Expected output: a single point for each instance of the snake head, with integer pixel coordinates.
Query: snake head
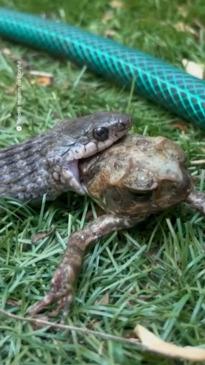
(78, 139)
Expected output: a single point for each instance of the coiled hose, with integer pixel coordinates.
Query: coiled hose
(159, 81)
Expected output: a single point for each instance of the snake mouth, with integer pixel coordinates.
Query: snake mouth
(71, 177)
(72, 172)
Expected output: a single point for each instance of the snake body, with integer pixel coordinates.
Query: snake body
(48, 164)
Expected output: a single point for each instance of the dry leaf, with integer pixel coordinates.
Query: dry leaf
(181, 126)
(6, 51)
(193, 68)
(107, 16)
(110, 33)
(42, 78)
(182, 27)
(154, 344)
(116, 4)
(43, 81)
(197, 162)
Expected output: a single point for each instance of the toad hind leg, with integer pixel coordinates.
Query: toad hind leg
(64, 279)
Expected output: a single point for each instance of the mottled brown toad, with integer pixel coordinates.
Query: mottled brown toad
(134, 178)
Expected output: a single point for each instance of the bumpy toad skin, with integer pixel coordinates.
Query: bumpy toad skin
(139, 174)
(134, 178)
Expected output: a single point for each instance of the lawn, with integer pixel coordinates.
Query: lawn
(153, 274)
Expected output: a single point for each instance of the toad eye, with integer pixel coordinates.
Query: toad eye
(101, 133)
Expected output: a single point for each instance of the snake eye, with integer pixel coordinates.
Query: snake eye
(101, 133)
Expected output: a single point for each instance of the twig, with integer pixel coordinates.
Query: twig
(74, 328)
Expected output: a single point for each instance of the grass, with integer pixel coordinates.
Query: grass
(154, 274)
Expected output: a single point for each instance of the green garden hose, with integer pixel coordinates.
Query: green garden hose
(157, 80)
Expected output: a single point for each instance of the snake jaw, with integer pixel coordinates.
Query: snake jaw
(70, 177)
